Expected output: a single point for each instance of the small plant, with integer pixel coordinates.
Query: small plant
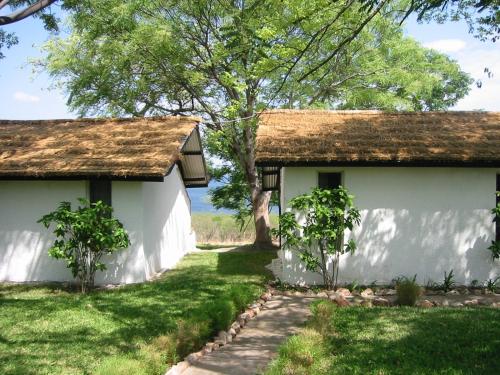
(474, 283)
(221, 312)
(493, 284)
(408, 291)
(353, 286)
(448, 281)
(84, 236)
(319, 239)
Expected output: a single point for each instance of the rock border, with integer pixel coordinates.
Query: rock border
(386, 297)
(224, 337)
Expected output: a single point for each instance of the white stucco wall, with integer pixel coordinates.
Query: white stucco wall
(168, 235)
(156, 216)
(24, 242)
(420, 221)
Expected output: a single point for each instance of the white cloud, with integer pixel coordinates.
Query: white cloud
(446, 45)
(23, 97)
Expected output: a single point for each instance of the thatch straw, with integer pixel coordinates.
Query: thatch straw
(115, 148)
(371, 137)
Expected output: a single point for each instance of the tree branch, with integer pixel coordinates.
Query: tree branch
(23, 13)
(344, 42)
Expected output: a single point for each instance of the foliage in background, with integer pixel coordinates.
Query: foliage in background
(144, 326)
(84, 236)
(229, 60)
(315, 228)
(221, 229)
(408, 291)
(396, 340)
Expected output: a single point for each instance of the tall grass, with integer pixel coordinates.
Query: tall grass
(223, 229)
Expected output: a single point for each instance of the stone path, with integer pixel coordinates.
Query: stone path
(254, 347)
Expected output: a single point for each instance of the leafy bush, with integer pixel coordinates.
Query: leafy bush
(407, 291)
(327, 214)
(221, 313)
(84, 236)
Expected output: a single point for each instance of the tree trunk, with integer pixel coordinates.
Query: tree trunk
(261, 219)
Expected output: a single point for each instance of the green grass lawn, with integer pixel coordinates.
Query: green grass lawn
(46, 330)
(397, 341)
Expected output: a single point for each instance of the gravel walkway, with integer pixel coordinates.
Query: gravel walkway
(254, 347)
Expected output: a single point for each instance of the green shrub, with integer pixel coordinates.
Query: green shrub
(84, 236)
(322, 317)
(167, 346)
(407, 291)
(221, 313)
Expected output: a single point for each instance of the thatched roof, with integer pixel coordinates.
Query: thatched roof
(135, 148)
(316, 137)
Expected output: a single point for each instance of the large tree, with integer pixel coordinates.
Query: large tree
(228, 60)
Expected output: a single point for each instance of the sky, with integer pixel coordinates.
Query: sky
(28, 95)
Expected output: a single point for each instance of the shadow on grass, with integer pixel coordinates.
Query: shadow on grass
(416, 341)
(48, 329)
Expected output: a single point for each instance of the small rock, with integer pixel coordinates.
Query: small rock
(298, 294)
(390, 292)
(495, 305)
(219, 343)
(457, 304)
(425, 304)
(367, 303)
(222, 336)
(367, 293)
(355, 293)
(288, 293)
(261, 302)
(486, 291)
(445, 303)
(485, 302)
(381, 302)
(344, 292)
(256, 310)
(453, 292)
(229, 337)
(436, 303)
(245, 316)
(232, 332)
(471, 302)
(430, 292)
(464, 292)
(277, 293)
(241, 322)
(236, 326)
(322, 295)
(193, 357)
(310, 293)
(342, 302)
(209, 347)
(477, 292)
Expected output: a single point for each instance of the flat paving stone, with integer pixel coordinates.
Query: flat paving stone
(257, 344)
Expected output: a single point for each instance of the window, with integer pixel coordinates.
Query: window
(497, 221)
(329, 180)
(100, 190)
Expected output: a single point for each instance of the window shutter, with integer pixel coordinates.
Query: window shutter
(329, 180)
(100, 190)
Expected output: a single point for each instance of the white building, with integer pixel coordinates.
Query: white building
(140, 166)
(424, 183)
